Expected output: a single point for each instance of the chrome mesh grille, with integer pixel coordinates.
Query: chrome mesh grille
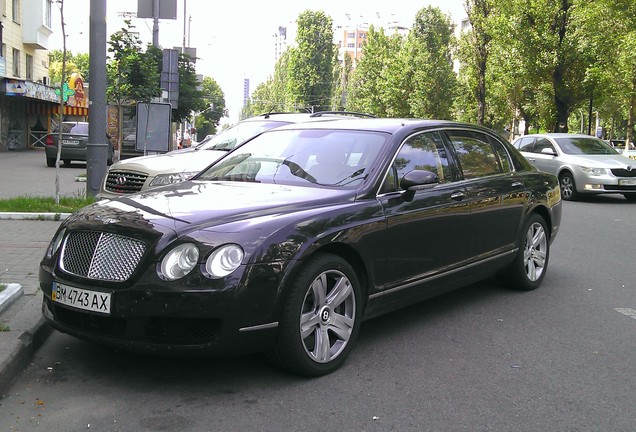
(124, 182)
(99, 255)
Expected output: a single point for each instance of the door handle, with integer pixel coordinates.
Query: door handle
(458, 196)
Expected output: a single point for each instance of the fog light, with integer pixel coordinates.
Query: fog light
(593, 187)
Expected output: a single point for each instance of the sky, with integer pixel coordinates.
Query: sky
(234, 40)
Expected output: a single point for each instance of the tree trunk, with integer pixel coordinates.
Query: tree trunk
(562, 109)
(630, 117)
(481, 90)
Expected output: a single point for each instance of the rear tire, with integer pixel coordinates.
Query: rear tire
(50, 162)
(568, 187)
(67, 162)
(529, 267)
(320, 319)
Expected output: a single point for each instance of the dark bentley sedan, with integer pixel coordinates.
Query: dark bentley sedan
(287, 243)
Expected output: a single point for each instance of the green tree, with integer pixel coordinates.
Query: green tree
(74, 63)
(375, 86)
(271, 95)
(208, 119)
(475, 51)
(614, 67)
(133, 75)
(428, 65)
(311, 62)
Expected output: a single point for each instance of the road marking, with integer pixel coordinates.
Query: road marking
(627, 311)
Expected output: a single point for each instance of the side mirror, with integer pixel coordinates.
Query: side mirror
(418, 178)
(548, 151)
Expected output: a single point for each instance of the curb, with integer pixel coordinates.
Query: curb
(34, 216)
(20, 356)
(9, 295)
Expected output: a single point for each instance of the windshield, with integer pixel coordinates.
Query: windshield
(338, 158)
(238, 134)
(583, 145)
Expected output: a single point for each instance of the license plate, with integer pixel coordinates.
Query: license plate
(70, 142)
(627, 182)
(79, 298)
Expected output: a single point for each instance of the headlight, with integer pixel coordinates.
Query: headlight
(224, 261)
(594, 171)
(55, 244)
(178, 262)
(172, 178)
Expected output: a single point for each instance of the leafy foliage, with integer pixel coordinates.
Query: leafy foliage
(74, 63)
(311, 63)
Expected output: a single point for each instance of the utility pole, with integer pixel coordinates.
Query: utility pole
(183, 47)
(97, 147)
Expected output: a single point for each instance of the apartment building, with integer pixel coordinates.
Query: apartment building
(26, 99)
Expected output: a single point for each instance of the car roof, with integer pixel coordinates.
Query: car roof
(303, 117)
(558, 135)
(388, 125)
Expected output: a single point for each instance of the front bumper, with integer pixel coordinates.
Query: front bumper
(229, 319)
(607, 184)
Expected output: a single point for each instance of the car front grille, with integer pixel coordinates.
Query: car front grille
(624, 173)
(99, 255)
(125, 182)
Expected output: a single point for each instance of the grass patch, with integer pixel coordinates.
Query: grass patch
(4, 328)
(44, 204)
(2, 287)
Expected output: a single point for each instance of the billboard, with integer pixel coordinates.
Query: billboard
(153, 127)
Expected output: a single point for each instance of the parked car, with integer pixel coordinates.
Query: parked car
(619, 146)
(584, 164)
(141, 173)
(289, 241)
(74, 141)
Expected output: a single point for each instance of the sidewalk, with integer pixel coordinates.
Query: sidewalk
(22, 246)
(23, 243)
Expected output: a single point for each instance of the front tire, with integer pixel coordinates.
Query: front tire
(320, 318)
(529, 267)
(568, 187)
(630, 197)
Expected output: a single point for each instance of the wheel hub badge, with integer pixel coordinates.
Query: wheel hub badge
(325, 315)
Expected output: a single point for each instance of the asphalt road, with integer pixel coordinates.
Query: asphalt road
(560, 358)
(24, 173)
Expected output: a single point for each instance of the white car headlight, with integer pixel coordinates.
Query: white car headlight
(178, 262)
(594, 171)
(172, 178)
(224, 261)
(55, 244)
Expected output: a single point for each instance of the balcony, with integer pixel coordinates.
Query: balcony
(36, 31)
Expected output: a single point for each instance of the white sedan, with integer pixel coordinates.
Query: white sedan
(584, 164)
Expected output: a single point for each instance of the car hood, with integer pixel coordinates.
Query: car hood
(173, 162)
(195, 204)
(601, 161)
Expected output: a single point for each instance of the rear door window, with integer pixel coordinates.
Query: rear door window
(476, 154)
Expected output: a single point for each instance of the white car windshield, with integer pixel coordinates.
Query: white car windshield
(338, 158)
(581, 145)
(238, 134)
